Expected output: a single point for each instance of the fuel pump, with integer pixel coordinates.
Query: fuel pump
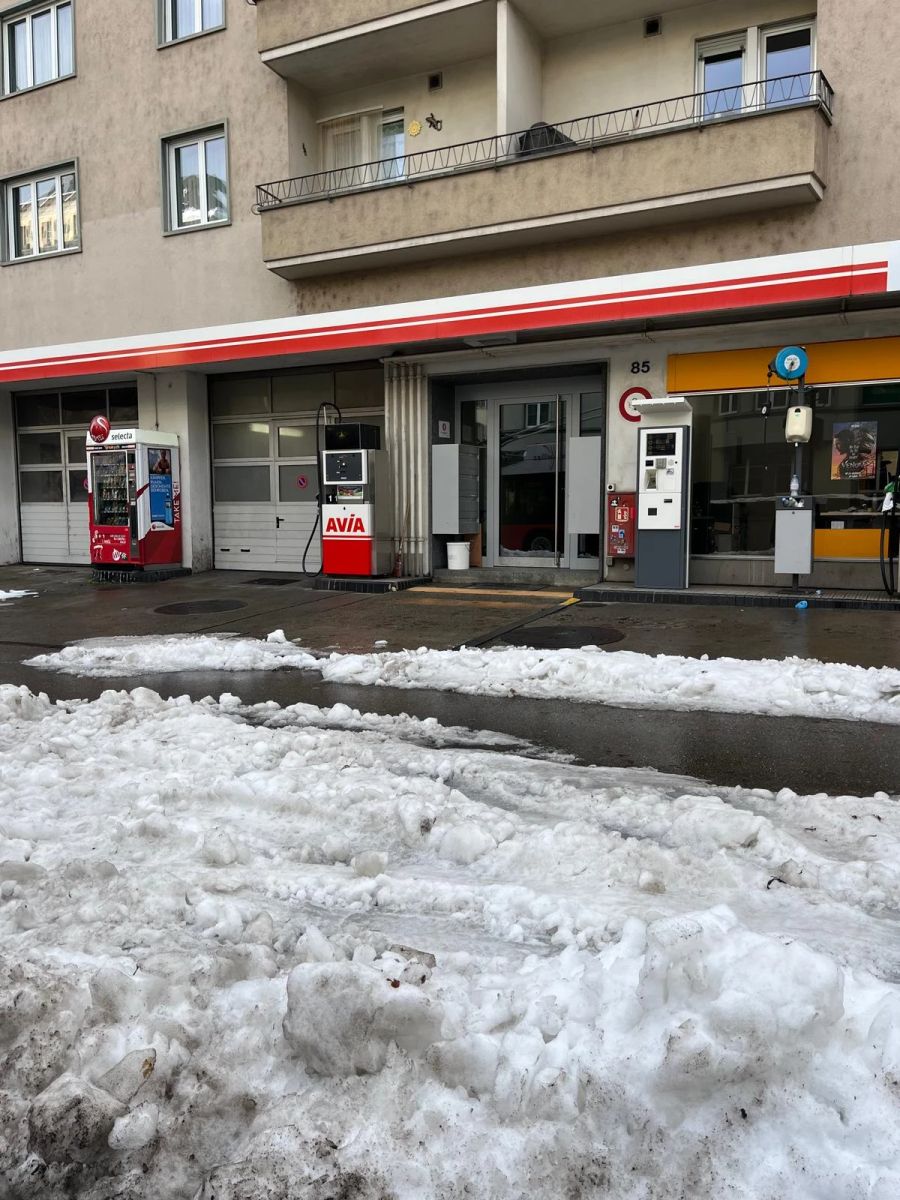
(889, 546)
(356, 502)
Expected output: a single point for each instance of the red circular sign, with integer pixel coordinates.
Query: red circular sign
(626, 396)
(302, 481)
(99, 429)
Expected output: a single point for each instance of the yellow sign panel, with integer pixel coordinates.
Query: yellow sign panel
(868, 360)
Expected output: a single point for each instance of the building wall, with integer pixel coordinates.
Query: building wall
(859, 207)
(126, 96)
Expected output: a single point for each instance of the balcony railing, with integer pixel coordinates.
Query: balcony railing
(698, 109)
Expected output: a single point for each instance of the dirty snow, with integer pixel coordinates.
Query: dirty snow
(260, 953)
(14, 595)
(770, 687)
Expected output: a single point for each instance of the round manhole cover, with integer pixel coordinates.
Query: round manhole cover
(564, 637)
(200, 606)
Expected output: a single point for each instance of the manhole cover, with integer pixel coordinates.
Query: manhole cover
(200, 606)
(564, 637)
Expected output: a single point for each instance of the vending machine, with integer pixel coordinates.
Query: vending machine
(134, 497)
(356, 507)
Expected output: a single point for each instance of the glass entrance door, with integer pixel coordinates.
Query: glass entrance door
(530, 510)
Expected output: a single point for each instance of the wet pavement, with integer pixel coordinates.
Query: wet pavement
(806, 755)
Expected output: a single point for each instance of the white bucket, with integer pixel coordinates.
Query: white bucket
(458, 556)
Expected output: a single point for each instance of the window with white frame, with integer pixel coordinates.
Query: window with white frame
(780, 58)
(41, 214)
(196, 169)
(186, 18)
(38, 46)
(374, 140)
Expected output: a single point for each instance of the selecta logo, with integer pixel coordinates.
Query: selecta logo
(345, 525)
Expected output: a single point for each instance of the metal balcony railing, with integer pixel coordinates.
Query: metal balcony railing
(699, 109)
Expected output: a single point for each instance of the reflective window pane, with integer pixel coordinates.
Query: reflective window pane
(364, 389)
(17, 55)
(237, 484)
(23, 219)
(245, 439)
(123, 406)
(78, 486)
(298, 485)
(79, 407)
(788, 67)
(64, 40)
(213, 13)
(301, 393)
(75, 449)
(722, 79)
(216, 180)
(42, 46)
(39, 448)
(238, 397)
(40, 487)
(593, 413)
(37, 408)
(296, 441)
(48, 216)
(187, 185)
(71, 235)
(184, 18)
(532, 482)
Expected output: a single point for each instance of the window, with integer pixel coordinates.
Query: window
(365, 147)
(722, 70)
(187, 18)
(38, 47)
(540, 413)
(729, 67)
(42, 214)
(787, 65)
(196, 168)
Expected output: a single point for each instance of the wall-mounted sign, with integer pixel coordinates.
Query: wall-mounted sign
(629, 394)
(443, 429)
(302, 482)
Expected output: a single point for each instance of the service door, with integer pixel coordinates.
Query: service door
(296, 489)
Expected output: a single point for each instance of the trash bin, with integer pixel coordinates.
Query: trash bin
(458, 556)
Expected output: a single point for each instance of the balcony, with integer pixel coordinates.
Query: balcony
(316, 43)
(707, 155)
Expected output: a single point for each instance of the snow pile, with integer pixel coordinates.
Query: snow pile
(254, 952)
(769, 687)
(14, 595)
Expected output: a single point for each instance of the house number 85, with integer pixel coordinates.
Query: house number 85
(640, 368)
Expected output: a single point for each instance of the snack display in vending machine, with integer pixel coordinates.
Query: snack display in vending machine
(134, 497)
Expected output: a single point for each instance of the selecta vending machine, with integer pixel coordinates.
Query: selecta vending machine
(134, 497)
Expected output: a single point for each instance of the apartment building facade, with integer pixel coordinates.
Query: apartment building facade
(484, 222)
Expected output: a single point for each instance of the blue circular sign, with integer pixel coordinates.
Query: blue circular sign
(791, 362)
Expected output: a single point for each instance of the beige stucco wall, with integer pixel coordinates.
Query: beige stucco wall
(127, 94)
(858, 47)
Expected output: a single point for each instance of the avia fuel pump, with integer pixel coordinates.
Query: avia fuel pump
(356, 505)
(134, 497)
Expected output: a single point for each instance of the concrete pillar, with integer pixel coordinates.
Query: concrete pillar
(520, 84)
(407, 437)
(177, 403)
(10, 544)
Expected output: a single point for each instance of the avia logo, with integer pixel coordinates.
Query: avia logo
(345, 525)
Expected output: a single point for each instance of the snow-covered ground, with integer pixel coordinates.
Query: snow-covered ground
(789, 687)
(14, 595)
(266, 954)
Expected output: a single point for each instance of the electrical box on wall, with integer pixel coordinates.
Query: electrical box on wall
(455, 489)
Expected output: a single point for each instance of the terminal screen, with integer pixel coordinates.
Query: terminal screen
(661, 444)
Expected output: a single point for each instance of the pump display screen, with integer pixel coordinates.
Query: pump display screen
(345, 467)
(661, 444)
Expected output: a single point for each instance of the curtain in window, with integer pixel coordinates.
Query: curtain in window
(348, 142)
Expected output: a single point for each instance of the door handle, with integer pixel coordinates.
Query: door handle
(278, 521)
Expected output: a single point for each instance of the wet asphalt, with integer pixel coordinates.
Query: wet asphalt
(808, 756)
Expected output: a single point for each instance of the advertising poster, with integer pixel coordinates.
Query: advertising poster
(161, 506)
(853, 446)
